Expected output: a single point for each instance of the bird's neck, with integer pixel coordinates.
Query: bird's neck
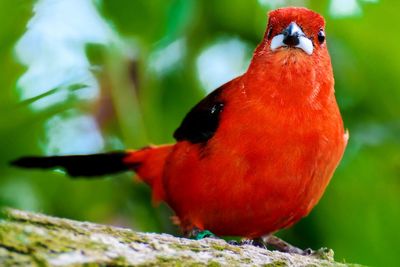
(291, 78)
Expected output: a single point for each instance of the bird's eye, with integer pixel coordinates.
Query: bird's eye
(269, 33)
(321, 36)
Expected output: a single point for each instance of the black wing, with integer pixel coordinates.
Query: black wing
(202, 121)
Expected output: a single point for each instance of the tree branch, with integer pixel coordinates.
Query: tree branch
(30, 239)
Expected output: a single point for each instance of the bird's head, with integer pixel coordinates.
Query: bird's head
(292, 60)
(295, 29)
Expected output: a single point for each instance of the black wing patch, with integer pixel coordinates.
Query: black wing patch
(202, 121)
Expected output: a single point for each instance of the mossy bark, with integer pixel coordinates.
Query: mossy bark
(30, 239)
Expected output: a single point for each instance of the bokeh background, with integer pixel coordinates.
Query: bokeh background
(83, 76)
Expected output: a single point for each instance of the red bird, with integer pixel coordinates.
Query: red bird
(255, 155)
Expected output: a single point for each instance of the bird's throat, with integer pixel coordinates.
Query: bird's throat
(290, 77)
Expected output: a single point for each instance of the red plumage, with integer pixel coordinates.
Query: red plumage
(279, 139)
(254, 156)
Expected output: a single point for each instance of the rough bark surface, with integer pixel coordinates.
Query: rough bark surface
(30, 239)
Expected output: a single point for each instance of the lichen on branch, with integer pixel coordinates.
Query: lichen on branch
(31, 239)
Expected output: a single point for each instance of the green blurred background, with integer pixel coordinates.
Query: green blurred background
(82, 76)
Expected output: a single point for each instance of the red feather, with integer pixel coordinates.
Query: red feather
(279, 139)
(256, 155)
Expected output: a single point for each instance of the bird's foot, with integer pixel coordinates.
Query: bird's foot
(283, 246)
(204, 234)
(257, 242)
(199, 234)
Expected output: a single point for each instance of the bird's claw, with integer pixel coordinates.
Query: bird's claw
(198, 234)
(254, 242)
(308, 252)
(204, 234)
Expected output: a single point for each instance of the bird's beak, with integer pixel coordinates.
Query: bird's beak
(292, 36)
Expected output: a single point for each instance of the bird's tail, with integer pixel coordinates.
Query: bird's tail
(147, 162)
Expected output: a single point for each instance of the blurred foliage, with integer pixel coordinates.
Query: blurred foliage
(148, 72)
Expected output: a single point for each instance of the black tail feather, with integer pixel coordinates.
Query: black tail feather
(78, 165)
